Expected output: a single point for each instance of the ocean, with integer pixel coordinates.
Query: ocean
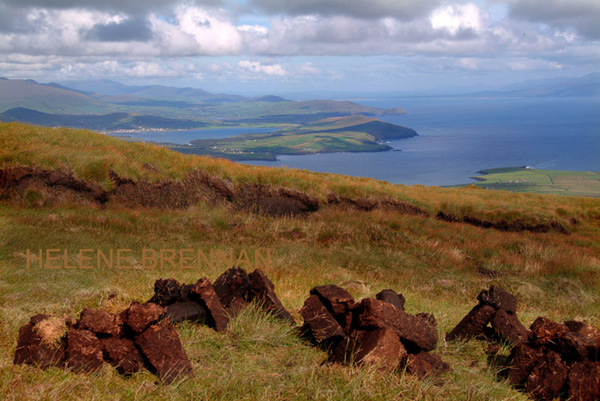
(458, 137)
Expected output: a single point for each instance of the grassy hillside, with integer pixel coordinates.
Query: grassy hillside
(439, 266)
(522, 179)
(103, 122)
(30, 94)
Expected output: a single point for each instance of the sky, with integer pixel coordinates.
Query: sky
(279, 46)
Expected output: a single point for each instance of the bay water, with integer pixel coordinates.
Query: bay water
(458, 137)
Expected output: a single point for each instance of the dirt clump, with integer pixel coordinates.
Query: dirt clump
(204, 293)
(371, 332)
(233, 289)
(84, 351)
(161, 346)
(498, 308)
(43, 347)
(122, 353)
(391, 297)
(138, 317)
(100, 322)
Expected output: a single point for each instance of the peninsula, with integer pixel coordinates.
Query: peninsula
(356, 133)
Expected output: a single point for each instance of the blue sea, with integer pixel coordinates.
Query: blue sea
(458, 137)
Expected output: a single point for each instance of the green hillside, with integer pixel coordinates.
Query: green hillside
(338, 134)
(71, 190)
(45, 98)
(523, 179)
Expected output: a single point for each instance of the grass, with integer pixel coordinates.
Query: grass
(521, 179)
(438, 266)
(301, 144)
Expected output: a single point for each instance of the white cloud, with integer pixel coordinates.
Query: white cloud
(257, 67)
(308, 69)
(457, 17)
(187, 38)
(213, 30)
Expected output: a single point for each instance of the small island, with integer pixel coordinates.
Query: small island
(355, 133)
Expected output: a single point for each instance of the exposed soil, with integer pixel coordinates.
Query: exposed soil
(368, 204)
(34, 186)
(502, 225)
(196, 187)
(42, 187)
(39, 187)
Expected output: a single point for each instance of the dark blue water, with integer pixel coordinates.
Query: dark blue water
(459, 137)
(184, 137)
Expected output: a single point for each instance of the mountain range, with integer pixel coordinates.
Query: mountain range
(585, 86)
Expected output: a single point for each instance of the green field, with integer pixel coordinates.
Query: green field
(524, 179)
(339, 134)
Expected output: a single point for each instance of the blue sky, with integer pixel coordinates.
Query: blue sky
(279, 46)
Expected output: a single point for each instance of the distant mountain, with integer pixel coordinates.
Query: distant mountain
(157, 106)
(100, 86)
(268, 98)
(47, 98)
(109, 88)
(588, 85)
(101, 122)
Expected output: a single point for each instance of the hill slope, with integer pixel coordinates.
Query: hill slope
(364, 235)
(169, 102)
(46, 98)
(102, 122)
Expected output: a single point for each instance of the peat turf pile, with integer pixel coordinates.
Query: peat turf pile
(131, 340)
(143, 336)
(214, 304)
(557, 360)
(497, 308)
(376, 331)
(547, 361)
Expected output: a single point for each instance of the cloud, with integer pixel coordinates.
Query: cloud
(257, 67)
(135, 29)
(526, 64)
(79, 32)
(581, 15)
(137, 7)
(215, 41)
(374, 9)
(458, 17)
(196, 31)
